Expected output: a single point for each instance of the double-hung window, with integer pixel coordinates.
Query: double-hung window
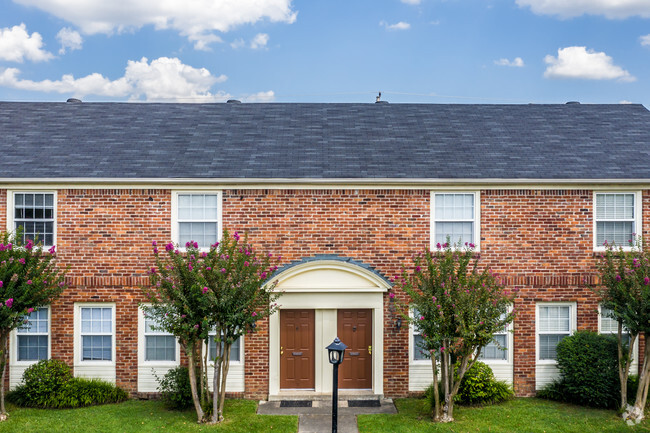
(235, 349)
(159, 345)
(554, 323)
(455, 216)
(609, 325)
(419, 354)
(616, 218)
(33, 336)
(33, 213)
(197, 218)
(497, 349)
(96, 333)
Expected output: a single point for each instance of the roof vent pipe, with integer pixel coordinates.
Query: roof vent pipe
(73, 101)
(573, 103)
(378, 99)
(233, 101)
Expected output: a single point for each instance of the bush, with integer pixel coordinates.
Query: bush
(588, 364)
(41, 382)
(478, 387)
(175, 389)
(49, 384)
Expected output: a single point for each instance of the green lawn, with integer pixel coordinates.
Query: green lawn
(524, 415)
(142, 416)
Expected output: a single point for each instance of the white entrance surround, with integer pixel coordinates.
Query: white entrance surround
(325, 285)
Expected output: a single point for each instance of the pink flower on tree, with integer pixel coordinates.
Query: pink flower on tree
(254, 314)
(154, 243)
(29, 310)
(205, 290)
(22, 261)
(169, 247)
(29, 282)
(236, 236)
(52, 249)
(9, 302)
(392, 295)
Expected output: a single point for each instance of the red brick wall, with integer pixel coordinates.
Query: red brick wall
(105, 237)
(538, 240)
(379, 227)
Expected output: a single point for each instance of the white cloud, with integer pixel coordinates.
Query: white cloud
(202, 42)
(16, 45)
(517, 62)
(397, 26)
(613, 9)
(237, 44)
(163, 79)
(195, 19)
(69, 39)
(259, 41)
(645, 40)
(411, 2)
(260, 97)
(580, 63)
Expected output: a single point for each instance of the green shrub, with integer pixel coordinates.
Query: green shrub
(479, 386)
(588, 364)
(41, 382)
(588, 372)
(49, 384)
(175, 389)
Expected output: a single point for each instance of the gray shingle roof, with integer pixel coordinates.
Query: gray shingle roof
(324, 141)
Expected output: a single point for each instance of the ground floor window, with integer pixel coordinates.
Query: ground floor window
(554, 322)
(33, 336)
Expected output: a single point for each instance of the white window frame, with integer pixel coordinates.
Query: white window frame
(11, 210)
(14, 352)
(142, 345)
(509, 349)
(476, 220)
(78, 340)
(175, 233)
(572, 326)
(635, 352)
(206, 347)
(638, 217)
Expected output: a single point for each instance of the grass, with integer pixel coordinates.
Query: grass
(142, 417)
(524, 415)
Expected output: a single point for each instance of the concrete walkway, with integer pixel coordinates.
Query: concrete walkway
(318, 418)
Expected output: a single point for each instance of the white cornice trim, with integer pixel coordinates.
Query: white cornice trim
(307, 183)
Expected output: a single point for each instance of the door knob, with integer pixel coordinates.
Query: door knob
(369, 350)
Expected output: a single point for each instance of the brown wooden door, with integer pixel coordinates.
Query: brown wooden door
(355, 330)
(297, 349)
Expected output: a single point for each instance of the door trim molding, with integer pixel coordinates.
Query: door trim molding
(326, 286)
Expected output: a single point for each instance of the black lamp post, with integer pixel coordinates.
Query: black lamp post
(336, 350)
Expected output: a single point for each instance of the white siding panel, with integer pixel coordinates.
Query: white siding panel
(502, 371)
(420, 376)
(16, 374)
(545, 374)
(147, 377)
(235, 379)
(89, 371)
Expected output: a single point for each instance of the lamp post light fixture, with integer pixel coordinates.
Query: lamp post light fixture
(336, 351)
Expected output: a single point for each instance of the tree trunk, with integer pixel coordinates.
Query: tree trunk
(216, 382)
(225, 366)
(624, 364)
(448, 373)
(436, 394)
(191, 353)
(4, 351)
(635, 414)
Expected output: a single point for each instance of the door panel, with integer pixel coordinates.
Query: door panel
(297, 349)
(355, 330)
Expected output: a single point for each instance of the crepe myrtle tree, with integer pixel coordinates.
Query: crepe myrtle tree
(29, 279)
(224, 291)
(458, 307)
(625, 292)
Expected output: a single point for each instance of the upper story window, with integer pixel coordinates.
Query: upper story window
(554, 323)
(33, 337)
(158, 345)
(617, 218)
(34, 213)
(197, 218)
(454, 215)
(97, 333)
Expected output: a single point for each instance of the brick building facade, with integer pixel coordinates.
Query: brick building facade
(343, 228)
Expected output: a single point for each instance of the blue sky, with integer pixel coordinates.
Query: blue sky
(432, 51)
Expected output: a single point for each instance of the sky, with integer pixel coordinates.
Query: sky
(422, 51)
